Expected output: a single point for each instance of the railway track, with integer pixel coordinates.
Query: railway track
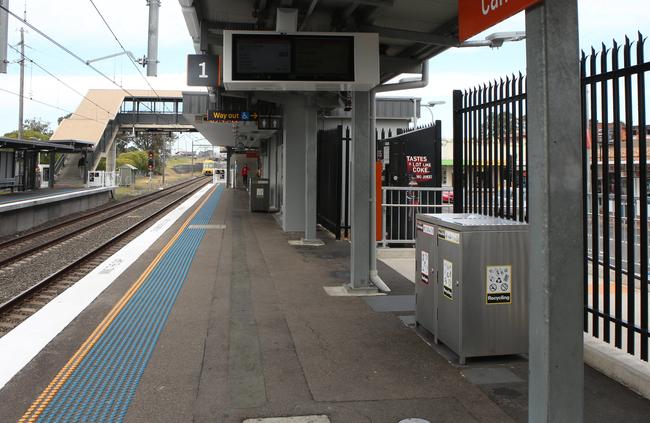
(14, 249)
(39, 290)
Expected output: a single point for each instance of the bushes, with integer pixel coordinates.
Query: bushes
(138, 159)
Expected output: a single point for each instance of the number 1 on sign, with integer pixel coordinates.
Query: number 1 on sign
(202, 74)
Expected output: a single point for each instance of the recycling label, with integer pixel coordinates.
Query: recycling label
(449, 235)
(498, 285)
(424, 267)
(448, 279)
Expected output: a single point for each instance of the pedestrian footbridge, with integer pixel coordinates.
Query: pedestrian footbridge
(104, 114)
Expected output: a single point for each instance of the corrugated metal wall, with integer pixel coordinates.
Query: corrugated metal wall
(389, 108)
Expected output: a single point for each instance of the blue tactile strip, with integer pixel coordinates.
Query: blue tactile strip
(103, 385)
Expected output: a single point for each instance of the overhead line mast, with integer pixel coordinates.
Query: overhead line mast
(152, 50)
(4, 36)
(21, 98)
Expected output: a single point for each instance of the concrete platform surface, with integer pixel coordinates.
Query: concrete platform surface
(20, 200)
(26, 210)
(9, 197)
(254, 336)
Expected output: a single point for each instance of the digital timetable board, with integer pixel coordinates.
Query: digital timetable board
(300, 61)
(292, 58)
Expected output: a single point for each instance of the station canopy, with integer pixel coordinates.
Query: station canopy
(410, 31)
(67, 146)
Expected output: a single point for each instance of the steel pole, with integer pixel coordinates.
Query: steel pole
(556, 364)
(361, 192)
(311, 175)
(164, 161)
(152, 50)
(4, 35)
(430, 111)
(21, 93)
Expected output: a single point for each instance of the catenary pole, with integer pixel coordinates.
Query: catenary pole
(21, 97)
(152, 50)
(4, 36)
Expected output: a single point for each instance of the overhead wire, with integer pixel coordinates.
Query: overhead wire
(62, 47)
(51, 105)
(135, 65)
(60, 81)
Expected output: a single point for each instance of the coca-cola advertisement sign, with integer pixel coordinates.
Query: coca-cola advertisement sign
(419, 168)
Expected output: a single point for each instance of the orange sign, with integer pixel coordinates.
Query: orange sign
(476, 16)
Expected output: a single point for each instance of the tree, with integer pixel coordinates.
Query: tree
(138, 159)
(160, 144)
(155, 142)
(33, 129)
(38, 125)
(492, 125)
(61, 118)
(124, 145)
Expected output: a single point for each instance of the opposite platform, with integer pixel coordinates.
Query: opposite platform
(24, 210)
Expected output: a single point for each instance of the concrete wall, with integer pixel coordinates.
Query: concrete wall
(22, 219)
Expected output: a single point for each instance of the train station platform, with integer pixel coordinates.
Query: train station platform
(21, 211)
(221, 320)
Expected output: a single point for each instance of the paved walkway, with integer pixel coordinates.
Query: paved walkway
(8, 197)
(253, 334)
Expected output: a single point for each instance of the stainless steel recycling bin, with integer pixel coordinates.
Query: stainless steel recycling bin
(475, 301)
(425, 275)
(259, 195)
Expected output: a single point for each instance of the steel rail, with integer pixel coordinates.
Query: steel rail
(71, 221)
(95, 251)
(134, 204)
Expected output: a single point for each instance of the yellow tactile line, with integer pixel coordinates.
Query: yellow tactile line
(37, 407)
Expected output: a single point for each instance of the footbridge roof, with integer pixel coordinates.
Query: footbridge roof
(101, 106)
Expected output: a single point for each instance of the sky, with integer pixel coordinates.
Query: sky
(77, 25)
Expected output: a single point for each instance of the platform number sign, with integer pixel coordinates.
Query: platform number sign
(202, 74)
(498, 285)
(203, 70)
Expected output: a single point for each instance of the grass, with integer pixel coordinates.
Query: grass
(143, 185)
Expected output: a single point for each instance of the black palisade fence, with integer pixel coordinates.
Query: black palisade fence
(490, 142)
(615, 182)
(490, 153)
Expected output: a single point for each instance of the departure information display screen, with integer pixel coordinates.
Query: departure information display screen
(257, 56)
(292, 57)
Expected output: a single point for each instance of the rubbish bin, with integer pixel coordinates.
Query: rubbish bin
(259, 195)
(425, 275)
(480, 265)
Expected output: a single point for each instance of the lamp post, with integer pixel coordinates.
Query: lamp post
(496, 39)
(430, 105)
